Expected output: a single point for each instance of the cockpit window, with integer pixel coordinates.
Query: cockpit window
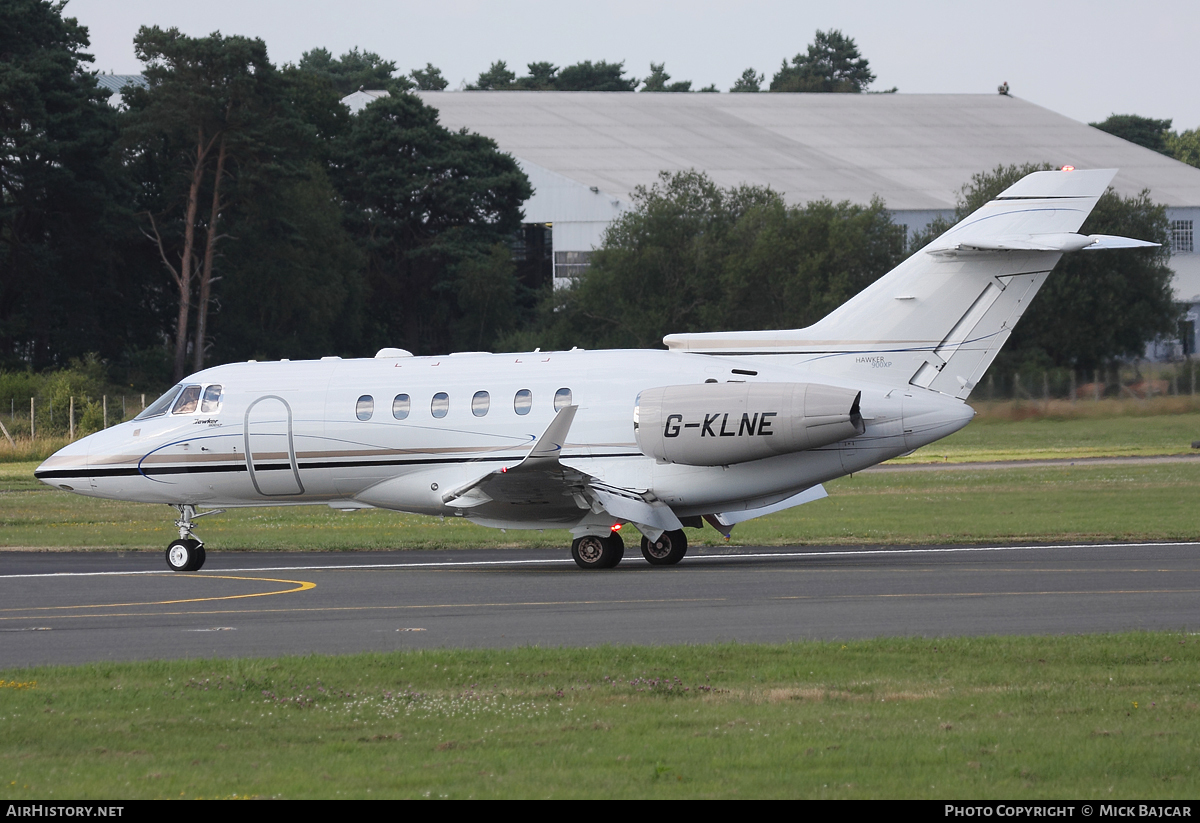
(211, 401)
(160, 405)
(189, 398)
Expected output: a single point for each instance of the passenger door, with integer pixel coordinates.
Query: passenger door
(270, 448)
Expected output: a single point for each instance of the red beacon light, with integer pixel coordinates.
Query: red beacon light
(1068, 168)
(616, 527)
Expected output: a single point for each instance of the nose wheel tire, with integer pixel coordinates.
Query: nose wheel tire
(185, 556)
(667, 550)
(595, 552)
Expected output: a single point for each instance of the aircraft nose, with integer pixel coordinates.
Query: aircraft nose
(67, 468)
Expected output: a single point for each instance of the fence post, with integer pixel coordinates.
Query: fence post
(1046, 388)
(32, 435)
(1072, 386)
(143, 402)
(71, 424)
(104, 400)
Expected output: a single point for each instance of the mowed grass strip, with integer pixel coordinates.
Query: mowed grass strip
(1088, 502)
(1107, 717)
(994, 435)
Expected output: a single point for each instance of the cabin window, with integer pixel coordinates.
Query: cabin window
(212, 399)
(523, 402)
(160, 406)
(562, 397)
(401, 406)
(189, 398)
(440, 405)
(365, 407)
(480, 403)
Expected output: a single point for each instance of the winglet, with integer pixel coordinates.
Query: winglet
(544, 454)
(549, 446)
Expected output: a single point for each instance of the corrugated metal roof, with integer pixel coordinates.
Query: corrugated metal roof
(913, 150)
(116, 82)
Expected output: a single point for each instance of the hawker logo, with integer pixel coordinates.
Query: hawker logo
(756, 425)
(875, 362)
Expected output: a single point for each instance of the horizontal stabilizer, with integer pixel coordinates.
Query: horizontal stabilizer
(1061, 242)
(1110, 241)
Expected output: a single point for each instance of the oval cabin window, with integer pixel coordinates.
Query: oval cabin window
(440, 405)
(401, 406)
(365, 407)
(480, 403)
(562, 397)
(523, 402)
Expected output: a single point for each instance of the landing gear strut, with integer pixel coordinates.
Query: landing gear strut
(187, 553)
(594, 552)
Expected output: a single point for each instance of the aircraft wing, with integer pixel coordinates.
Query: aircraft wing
(546, 486)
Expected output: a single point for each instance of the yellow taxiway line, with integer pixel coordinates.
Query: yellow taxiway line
(301, 586)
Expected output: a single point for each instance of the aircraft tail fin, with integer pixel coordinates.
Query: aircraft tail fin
(938, 319)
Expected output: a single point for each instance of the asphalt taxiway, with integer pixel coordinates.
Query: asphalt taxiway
(66, 607)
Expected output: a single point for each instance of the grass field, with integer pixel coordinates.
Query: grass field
(1064, 717)
(1110, 502)
(994, 435)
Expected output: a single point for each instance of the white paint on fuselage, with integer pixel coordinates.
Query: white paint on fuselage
(340, 456)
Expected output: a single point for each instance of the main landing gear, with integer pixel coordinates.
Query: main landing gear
(595, 552)
(667, 550)
(187, 553)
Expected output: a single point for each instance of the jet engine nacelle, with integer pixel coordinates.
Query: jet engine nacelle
(717, 424)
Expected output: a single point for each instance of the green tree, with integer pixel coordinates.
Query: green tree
(691, 256)
(498, 77)
(429, 78)
(212, 113)
(293, 282)
(600, 76)
(423, 202)
(71, 279)
(542, 77)
(658, 80)
(1185, 146)
(354, 70)
(1144, 131)
(749, 81)
(831, 64)
(1096, 306)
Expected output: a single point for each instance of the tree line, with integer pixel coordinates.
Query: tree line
(1156, 135)
(831, 63)
(233, 209)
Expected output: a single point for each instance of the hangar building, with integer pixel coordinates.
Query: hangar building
(585, 153)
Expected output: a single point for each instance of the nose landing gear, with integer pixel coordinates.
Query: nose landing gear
(187, 553)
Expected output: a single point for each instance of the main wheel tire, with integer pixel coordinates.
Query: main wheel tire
(201, 556)
(618, 549)
(183, 554)
(594, 552)
(667, 550)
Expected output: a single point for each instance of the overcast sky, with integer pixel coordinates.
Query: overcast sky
(1082, 59)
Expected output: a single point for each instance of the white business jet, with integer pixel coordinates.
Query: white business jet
(721, 427)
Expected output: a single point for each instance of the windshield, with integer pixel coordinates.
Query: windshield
(160, 405)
